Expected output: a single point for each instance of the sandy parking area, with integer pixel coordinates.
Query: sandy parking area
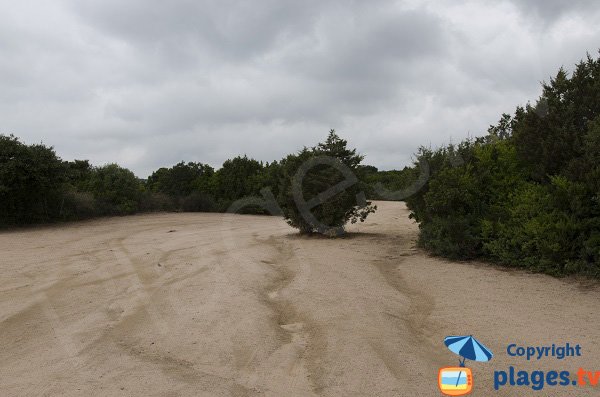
(228, 305)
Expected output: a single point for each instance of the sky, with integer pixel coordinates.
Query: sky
(147, 84)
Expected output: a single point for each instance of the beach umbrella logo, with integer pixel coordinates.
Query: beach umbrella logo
(458, 381)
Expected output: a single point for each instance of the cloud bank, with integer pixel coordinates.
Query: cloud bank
(150, 83)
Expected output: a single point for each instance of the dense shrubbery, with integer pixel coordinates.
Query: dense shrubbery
(528, 194)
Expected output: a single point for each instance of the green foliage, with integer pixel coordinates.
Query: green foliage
(78, 173)
(327, 215)
(452, 210)
(116, 189)
(527, 194)
(31, 181)
(542, 240)
(242, 178)
(36, 186)
(434, 161)
(237, 178)
(181, 180)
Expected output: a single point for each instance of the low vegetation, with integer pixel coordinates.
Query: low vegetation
(36, 186)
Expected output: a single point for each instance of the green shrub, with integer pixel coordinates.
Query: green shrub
(308, 175)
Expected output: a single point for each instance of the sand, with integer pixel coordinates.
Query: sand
(238, 305)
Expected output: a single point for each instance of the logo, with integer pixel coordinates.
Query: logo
(455, 381)
(536, 380)
(458, 381)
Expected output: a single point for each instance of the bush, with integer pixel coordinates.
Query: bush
(323, 167)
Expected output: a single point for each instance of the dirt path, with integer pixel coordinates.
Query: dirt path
(224, 305)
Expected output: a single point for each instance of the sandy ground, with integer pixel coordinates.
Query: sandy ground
(228, 305)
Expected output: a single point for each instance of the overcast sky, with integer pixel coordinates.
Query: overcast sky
(150, 83)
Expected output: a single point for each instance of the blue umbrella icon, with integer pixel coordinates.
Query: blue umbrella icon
(468, 348)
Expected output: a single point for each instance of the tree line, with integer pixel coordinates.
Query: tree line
(37, 186)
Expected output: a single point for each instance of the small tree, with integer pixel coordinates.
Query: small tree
(320, 191)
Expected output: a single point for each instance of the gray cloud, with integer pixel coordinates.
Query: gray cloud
(150, 83)
(551, 10)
